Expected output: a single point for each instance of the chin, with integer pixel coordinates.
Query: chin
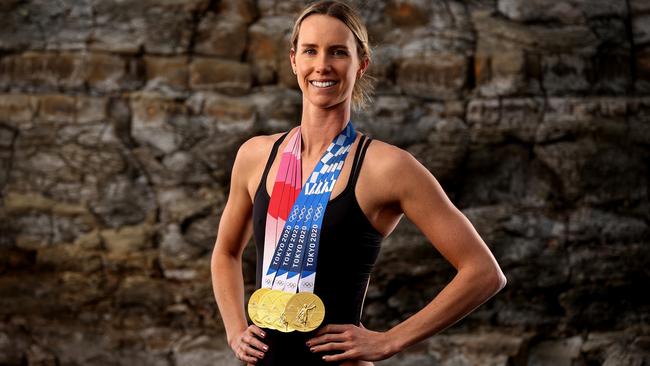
(325, 103)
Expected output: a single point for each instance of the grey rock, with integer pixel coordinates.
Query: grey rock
(200, 350)
(275, 7)
(36, 71)
(566, 74)
(598, 226)
(623, 181)
(180, 204)
(570, 12)
(182, 167)
(390, 114)
(173, 244)
(16, 31)
(223, 114)
(638, 113)
(566, 118)
(18, 109)
(220, 75)
(143, 291)
(12, 347)
(640, 27)
(44, 24)
(168, 75)
(154, 119)
(157, 27)
(51, 71)
(445, 149)
(36, 355)
(268, 49)
(441, 76)
(518, 179)
(278, 109)
(560, 352)
(501, 34)
(492, 121)
(507, 72)
(619, 264)
(221, 36)
(385, 59)
(123, 201)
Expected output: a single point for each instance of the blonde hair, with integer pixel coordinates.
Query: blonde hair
(363, 87)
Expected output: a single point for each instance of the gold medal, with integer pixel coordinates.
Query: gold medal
(254, 305)
(279, 307)
(305, 311)
(265, 308)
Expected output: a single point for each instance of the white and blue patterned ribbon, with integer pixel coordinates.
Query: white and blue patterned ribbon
(294, 262)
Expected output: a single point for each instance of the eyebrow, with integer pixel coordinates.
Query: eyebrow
(313, 45)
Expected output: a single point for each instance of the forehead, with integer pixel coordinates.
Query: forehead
(324, 29)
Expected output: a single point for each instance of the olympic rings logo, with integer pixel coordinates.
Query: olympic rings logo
(319, 210)
(294, 214)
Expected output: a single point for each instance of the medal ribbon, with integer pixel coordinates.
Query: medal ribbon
(285, 190)
(293, 263)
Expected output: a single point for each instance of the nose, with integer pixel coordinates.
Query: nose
(323, 64)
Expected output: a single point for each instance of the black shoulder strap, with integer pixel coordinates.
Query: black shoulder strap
(274, 151)
(356, 168)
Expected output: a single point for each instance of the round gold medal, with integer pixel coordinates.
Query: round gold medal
(305, 311)
(254, 304)
(265, 309)
(279, 307)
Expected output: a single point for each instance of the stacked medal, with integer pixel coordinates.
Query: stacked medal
(286, 301)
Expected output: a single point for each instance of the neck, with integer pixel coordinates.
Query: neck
(320, 126)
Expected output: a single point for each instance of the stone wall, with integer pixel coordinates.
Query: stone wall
(119, 122)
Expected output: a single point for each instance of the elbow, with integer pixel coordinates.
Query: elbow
(492, 279)
(502, 281)
(498, 280)
(222, 256)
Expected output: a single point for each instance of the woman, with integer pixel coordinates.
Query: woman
(378, 183)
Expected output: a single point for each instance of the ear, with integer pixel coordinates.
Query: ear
(292, 57)
(363, 66)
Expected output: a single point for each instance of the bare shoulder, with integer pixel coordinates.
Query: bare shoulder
(254, 146)
(389, 160)
(255, 149)
(251, 158)
(401, 175)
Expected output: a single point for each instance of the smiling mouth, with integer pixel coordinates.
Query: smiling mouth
(323, 84)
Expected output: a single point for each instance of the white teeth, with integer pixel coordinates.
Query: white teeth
(323, 84)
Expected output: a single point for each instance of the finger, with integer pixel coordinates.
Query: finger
(252, 352)
(252, 341)
(349, 354)
(257, 330)
(326, 338)
(246, 358)
(332, 346)
(333, 328)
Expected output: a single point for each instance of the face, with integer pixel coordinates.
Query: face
(325, 61)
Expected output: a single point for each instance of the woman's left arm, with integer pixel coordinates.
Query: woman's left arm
(478, 276)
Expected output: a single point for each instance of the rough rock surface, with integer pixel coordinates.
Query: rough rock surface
(119, 123)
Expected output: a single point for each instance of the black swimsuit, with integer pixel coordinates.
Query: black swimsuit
(349, 246)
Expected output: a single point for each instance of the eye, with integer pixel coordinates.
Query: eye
(340, 53)
(309, 51)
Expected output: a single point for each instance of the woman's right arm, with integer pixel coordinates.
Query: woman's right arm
(235, 229)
